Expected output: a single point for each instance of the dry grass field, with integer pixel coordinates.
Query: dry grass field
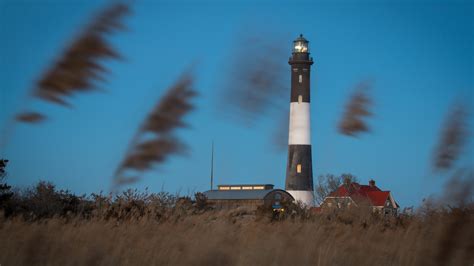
(46, 227)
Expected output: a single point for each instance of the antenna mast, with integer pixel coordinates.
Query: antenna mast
(212, 165)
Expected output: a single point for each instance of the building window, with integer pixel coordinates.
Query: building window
(300, 98)
(258, 187)
(235, 188)
(247, 188)
(295, 69)
(300, 78)
(298, 168)
(224, 188)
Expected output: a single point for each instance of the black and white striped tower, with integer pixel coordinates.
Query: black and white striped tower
(299, 172)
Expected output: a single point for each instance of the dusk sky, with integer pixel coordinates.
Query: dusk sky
(419, 54)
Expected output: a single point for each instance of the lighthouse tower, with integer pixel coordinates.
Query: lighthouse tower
(299, 172)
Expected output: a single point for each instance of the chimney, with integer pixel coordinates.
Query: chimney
(347, 182)
(371, 183)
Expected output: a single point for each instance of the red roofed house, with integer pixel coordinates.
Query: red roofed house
(353, 194)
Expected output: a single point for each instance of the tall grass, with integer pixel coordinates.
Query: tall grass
(50, 227)
(237, 238)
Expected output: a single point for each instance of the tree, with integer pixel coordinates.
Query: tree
(329, 183)
(5, 193)
(3, 164)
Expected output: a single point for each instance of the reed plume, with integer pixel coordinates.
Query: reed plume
(356, 110)
(155, 140)
(453, 137)
(79, 68)
(280, 133)
(255, 83)
(30, 117)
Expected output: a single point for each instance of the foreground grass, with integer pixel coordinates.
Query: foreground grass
(239, 237)
(44, 226)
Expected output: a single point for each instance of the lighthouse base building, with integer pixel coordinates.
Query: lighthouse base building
(251, 196)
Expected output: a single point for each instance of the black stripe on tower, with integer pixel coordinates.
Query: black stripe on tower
(299, 171)
(300, 72)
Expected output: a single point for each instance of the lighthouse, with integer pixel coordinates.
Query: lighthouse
(299, 172)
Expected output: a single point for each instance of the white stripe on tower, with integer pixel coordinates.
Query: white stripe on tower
(300, 126)
(304, 196)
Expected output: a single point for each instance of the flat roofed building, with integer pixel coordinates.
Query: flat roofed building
(253, 198)
(245, 187)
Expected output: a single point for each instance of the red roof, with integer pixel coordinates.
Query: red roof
(359, 193)
(378, 198)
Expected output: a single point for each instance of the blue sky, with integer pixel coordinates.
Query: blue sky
(419, 53)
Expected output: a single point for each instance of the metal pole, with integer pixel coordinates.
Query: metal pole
(212, 165)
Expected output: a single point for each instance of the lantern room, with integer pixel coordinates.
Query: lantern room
(300, 45)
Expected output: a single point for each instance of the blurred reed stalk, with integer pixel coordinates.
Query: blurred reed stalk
(280, 135)
(356, 111)
(155, 140)
(453, 137)
(255, 83)
(79, 67)
(256, 88)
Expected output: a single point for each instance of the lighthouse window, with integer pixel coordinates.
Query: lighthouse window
(300, 78)
(300, 98)
(298, 168)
